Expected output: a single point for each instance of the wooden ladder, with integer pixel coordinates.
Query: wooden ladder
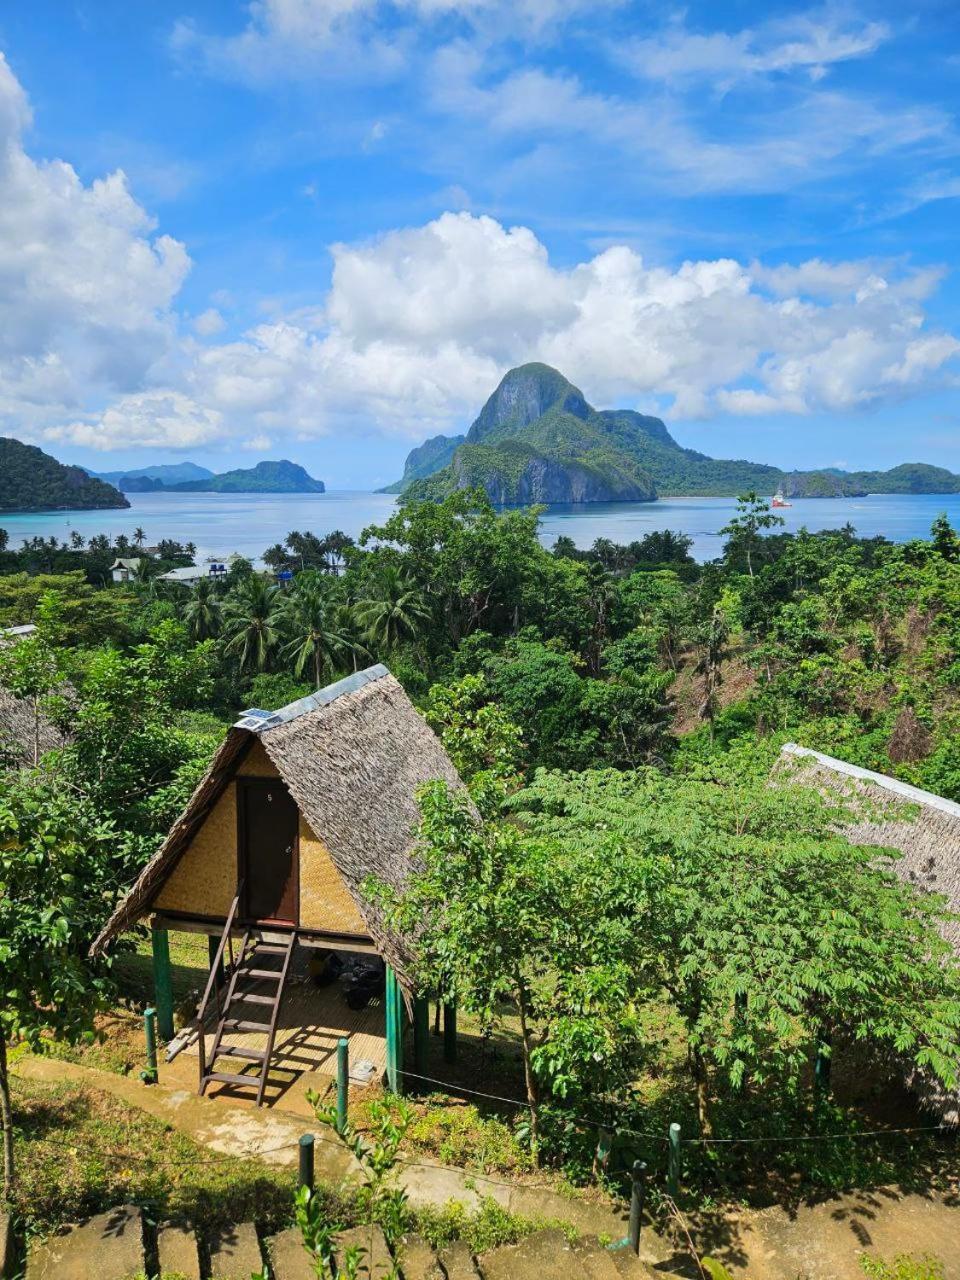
(250, 969)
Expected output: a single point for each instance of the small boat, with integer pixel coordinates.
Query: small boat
(779, 500)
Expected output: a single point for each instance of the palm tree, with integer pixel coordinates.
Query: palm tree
(251, 617)
(203, 612)
(139, 536)
(395, 609)
(310, 620)
(76, 540)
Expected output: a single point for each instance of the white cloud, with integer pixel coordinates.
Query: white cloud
(805, 42)
(420, 324)
(87, 286)
(209, 323)
(150, 420)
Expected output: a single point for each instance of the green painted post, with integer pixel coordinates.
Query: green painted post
(343, 1081)
(162, 983)
(421, 1036)
(394, 1016)
(151, 1075)
(306, 1161)
(449, 1033)
(673, 1163)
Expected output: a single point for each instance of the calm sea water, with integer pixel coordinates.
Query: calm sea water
(220, 523)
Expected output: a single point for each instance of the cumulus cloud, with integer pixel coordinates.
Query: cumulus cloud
(87, 285)
(420, 324)
(151, 420)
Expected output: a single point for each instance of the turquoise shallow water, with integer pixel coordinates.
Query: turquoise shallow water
(249, 523)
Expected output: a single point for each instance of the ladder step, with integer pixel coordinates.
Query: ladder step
(270, 949)
(252, 998)
(240, 1024)
(229, 1077)
(241, 1051)
(275, 974)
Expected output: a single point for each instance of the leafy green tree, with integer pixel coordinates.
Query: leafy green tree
(713, 651)
(309, 620)
(476, 733)
(508, 921)
(743, 533)
(251, 617)
(769, 932)
(202, 611)
(395, 610)
(56, 886)
(944, 538)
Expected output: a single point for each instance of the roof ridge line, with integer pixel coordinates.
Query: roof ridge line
(904, 789)
(260, 723)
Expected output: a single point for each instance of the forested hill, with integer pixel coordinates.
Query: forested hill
(537, 439)
(30, 480)
(265, 477)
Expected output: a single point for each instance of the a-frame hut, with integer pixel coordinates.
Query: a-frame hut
(297, 809)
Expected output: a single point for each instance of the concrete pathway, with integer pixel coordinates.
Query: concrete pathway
(821, 1241)
(273, 1136)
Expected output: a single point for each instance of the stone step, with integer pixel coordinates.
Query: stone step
(418, 1260)
(597, 1261)
(289, 1260)
(234, 1253)
(376, 1252)
(108, 1247)
(457, 1262)
(546, 1255)
(177, 1253)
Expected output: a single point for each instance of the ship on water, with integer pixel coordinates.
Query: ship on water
(779, 499)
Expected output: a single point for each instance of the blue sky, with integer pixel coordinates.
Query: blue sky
(323, 229)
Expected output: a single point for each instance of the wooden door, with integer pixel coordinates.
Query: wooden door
(269, 850)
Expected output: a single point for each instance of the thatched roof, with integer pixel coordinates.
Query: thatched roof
(17, 715)
(925, 829)
(353, 756)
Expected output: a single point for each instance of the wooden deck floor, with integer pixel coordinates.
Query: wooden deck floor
(312, 1020)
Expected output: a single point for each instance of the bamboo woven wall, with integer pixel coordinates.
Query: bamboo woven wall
(325, 901)
(204, 881)
(257, 764)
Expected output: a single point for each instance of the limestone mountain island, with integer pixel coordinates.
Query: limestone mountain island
(538, 440)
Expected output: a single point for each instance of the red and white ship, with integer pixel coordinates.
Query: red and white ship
(779, 500)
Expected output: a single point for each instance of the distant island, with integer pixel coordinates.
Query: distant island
(30, 480)
(187, 477)
(538, 440)
(149, 479)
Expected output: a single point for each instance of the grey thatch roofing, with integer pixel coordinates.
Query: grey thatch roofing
(17, 730)
(353, 756)
(925, 829)
(17, 727)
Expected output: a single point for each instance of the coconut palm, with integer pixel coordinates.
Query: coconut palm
(139, 536)
(203, 611)
(393, 610)
(251, 621)
(310, 621)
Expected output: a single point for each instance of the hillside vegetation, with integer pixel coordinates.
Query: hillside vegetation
(30, 480)
(538, 440)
